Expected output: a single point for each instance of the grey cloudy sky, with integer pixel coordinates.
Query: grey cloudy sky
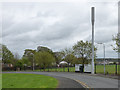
(58, 25)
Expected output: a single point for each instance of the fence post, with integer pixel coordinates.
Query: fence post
(116, 69)
(95, 68)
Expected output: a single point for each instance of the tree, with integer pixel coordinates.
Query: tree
(18, 64)
(44, 59)
(83, 50)
(29, 52)
(58, 57)
(70, 59)
(16, 56)
(29, 55)
(66, 52)
(26, 61)
(0, 53)
(117, 43)
(42, 49)
(15, 60)
(68, 56)
(7, 55)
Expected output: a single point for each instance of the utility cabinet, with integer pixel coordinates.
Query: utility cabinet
(79, 68)
(87, 68)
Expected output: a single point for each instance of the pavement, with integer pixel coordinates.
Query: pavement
(108, 76)
(67, 83)
(84, 80)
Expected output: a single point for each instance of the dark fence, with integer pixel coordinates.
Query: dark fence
(16, 68)
(99, 69)
(109, 69)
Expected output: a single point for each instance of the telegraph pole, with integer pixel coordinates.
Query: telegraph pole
(104, 57)
(93, 20)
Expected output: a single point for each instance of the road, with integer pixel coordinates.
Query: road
(86, 80)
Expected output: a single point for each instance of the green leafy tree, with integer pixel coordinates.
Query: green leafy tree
(29, 56)
(44, 59)
(70, 59)
(15, 60)
(18, 64)
(0, 53)
(83, 50)
(42, 49)
(80, 61)
(26, 61)
(45, 49)
(68, 56)
(58, 57)
(7, 55)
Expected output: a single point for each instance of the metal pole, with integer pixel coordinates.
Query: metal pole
(33, 62)
(116, 69)
(104, 57)
(92, 39)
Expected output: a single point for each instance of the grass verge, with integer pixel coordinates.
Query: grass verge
(13, 80)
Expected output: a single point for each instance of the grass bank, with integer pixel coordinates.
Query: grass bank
(13, 80)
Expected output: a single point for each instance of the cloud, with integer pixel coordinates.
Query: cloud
(56, 25)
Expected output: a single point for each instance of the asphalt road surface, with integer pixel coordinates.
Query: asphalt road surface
(86, 80)
(67, 83)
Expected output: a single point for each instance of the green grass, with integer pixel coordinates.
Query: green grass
(13, 80)
(0, 81)
(110, 69)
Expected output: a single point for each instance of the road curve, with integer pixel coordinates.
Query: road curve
(87, 80)
(63, 82)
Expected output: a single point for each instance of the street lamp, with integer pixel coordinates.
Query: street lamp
(104, 54)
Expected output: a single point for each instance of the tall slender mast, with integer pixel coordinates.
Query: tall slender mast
(93, 20)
